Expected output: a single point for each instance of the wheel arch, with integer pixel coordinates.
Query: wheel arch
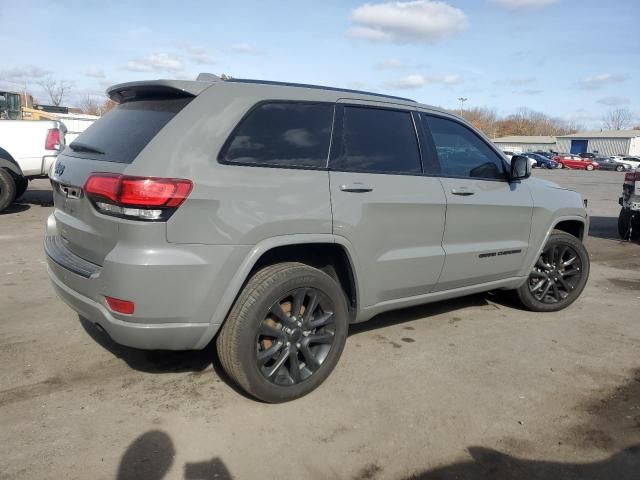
(327, 252)
(8, 162)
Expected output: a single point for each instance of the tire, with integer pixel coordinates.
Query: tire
(252, 330)
(589, 167)
(619, 168)
(21, 186)
(624, 224)
(560, 165)
(7, 189)
(552, 289)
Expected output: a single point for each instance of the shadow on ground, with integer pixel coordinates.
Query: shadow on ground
(150, 457)
(490, 464)
(43, 198)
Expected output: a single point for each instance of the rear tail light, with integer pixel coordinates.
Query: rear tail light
(53, 139)
(631, 177)
(139, 198)
(120, 306)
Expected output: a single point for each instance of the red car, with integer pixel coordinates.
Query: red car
(568, 160)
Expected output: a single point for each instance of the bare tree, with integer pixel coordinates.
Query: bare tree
(56, 90)
(617, 119)
(90, 106)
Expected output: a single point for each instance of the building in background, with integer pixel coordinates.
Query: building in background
(526, 143)
(607, 142)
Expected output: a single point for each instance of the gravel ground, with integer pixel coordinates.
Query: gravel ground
(471, 388)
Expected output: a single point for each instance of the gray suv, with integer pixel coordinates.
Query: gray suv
(270, 216)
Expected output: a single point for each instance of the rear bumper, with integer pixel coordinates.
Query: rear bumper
(147, 336)
(176, 288)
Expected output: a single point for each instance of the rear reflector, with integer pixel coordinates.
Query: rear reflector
(120, 306)
(53, 139)
(142, 198)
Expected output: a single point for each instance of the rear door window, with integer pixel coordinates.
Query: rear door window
(282, 134)
(120, 135)
(378, 140)
(462, 153)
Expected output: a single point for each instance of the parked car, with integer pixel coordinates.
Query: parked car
(607, 163)
(510, 154)
(549, 155)
(27, 151)
(304, 210)
(633, 161)
(541, 160)
(629, 217)
(575, 162)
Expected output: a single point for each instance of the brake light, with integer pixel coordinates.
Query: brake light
(120, 306)
(52, 141)
(142, 198)
(631, 177)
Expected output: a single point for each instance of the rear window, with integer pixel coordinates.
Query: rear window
(121, 134)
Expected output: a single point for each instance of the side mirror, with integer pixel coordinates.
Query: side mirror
(520, 167)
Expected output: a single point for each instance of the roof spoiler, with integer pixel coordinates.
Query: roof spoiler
(149, 89)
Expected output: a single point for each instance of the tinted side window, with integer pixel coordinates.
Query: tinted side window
(377, 140)
(283, 134)
(461, 152)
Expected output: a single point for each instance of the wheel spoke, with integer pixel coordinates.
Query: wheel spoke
(276, 367)
(321, 320)
(310, 360)
(537, 274)
(265, 355)
(570, 261)
(539, 285)
(325, 337)
(564, 284)
(556, 292)
(269, 331)
(570, 273)
(298, 300)
(294, 366)
(282, 317)
(311, 306)
(562, 254)
(545, 291)
(540, 263)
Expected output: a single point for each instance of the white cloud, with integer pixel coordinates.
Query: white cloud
(419, 81)
(523, 4)
(94, 72)
(409, 21)
(199, 55)
(244, 48)
(390, 63)
(613, 101)
(158, 62)
(23, 73)
(598, 81)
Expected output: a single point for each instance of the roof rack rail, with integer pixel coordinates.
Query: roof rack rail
(319, 87)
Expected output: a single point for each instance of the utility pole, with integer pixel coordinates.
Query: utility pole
(462, 100)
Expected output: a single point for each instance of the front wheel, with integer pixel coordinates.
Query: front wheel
(558, 276)
(285, 332)
(619, 168)
(589, 167)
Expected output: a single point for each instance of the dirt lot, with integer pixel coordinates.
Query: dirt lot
(473, 388)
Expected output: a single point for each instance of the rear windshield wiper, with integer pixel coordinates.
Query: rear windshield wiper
(81, 147)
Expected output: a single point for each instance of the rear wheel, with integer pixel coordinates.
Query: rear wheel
(619, 168)
(285, 332)
(559, 275)
(7, 189)
(628, 225)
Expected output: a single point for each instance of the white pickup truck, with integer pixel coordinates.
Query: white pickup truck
(27, 150)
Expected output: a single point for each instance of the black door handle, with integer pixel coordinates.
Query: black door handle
(356, 187)
(463, 191)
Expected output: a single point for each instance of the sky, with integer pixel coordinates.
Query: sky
(571, 59)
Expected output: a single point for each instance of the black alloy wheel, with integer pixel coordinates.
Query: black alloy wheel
(556, 274)
(295, 336)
